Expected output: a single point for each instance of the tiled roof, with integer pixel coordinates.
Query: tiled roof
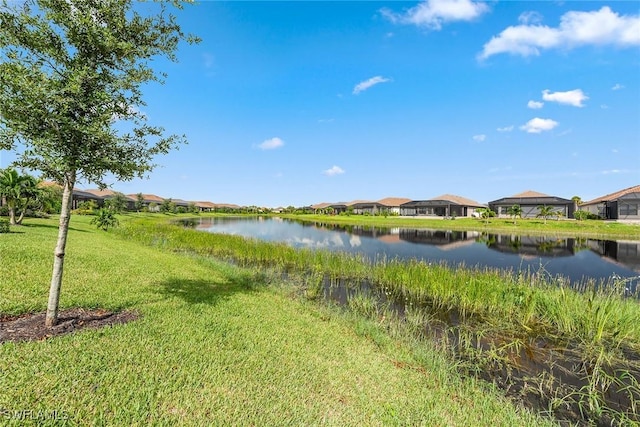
(100, 193)
(205, 205)
(393, 201)
(458, 200)
(107, 193)
(320, 205)
(614, 196)
(148, 198)
(529, 193)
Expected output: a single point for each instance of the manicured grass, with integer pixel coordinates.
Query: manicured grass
(215, 345)
(588, 228)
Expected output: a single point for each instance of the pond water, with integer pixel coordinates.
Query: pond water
(578, 259)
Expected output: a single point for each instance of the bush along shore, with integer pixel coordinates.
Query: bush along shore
(573, 355)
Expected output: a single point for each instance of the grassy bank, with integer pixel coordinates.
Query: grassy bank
(587, 228)
(525, 302)
(501, 315)
(215, 345)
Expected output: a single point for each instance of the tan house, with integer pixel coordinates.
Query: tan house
(623, 204)
(446, 205)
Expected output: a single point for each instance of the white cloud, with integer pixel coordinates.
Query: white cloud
(479, 138)
(335, 170)
(617, 86)
(535, 105)
(271, 144)
(538, 125)
(432, 14)
(601, 27)
(530, 17)
(505, 129)
(364, 85)
(572, 97)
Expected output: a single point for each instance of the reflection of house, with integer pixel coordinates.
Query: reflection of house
(530, 245)
(529, 202)
(624, 204)
(446, 205)
(624, 252)
(437, 237)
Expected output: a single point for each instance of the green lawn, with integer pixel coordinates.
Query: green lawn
(214, 346)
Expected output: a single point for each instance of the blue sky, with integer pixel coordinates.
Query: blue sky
(295, 103)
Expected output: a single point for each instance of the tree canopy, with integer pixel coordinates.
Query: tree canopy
(71, 73)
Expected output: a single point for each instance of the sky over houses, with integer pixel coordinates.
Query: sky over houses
(295, 103)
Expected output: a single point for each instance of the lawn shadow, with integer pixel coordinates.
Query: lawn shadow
(209, 291)
(50, 226)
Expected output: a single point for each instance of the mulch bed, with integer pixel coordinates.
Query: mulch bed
(30, 327)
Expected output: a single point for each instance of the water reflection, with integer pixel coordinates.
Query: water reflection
(578, 259)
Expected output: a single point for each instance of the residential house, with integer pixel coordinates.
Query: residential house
(79, 196)
(108, 194)
(392, 204)
(529, 202)
(621, 205)
(446, 205)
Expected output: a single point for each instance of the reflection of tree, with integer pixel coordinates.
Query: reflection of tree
(487, 239)
(546, 246)
(580, 244)
(515, 243)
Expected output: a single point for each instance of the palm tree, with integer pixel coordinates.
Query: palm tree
(515, 211)
(17, 190)
(486, 213)
(545, 211)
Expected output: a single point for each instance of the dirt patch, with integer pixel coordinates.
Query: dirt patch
(30, 327)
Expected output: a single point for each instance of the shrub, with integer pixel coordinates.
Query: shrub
(4, 226)
(105, 219)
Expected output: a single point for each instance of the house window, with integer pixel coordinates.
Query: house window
(629, 209)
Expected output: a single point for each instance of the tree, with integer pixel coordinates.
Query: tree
(486, 213)
(515, 211)
(71, 74)
(48, 199)
(139, 204)
(192, 208)
(17, 190)
(116, 203)
(545, 212)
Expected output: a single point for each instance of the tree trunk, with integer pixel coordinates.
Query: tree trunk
(58, 259)
(12, 214)
(21, 217)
